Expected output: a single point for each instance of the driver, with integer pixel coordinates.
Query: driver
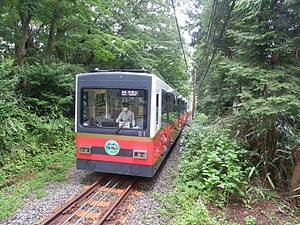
(126, 115)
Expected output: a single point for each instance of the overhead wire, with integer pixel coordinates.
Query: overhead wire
(206, 51)
(216, 19)
(131, 49)
(211, 18)
(218, 41)
(150, 67)
(179, 34)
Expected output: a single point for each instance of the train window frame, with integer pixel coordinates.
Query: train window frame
(173, 115)
(142, 115)
(164, 108)
(157, 110)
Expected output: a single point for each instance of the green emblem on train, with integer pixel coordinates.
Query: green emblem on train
(112, 147)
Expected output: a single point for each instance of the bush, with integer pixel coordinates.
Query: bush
(189, 210)
(51, 88)
(213, 163)
(28, 132)
(10, 108)
(24, 149)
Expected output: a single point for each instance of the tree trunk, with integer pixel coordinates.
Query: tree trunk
(296, 176)
(50, 41)
(60, 53)
(25, 19)
(269, 146)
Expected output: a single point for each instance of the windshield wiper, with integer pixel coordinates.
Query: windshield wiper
(121, 127)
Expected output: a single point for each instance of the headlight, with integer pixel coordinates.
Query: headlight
(84, 149)
(140, 154)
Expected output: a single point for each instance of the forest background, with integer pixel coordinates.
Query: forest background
(246, 57)
(44, 44)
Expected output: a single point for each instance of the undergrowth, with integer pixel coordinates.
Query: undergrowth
(55, 166)
(36, 128)
(213, 168)
(35, 119)
(183, 206)
(213, 163)
(32, 153)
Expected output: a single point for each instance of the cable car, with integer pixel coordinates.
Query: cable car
(108, 139)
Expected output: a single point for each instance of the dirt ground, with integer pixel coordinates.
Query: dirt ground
(260, 212)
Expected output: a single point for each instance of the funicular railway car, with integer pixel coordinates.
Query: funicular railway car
(126, 121)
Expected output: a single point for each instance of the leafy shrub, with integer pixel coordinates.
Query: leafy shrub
(51, 88)
(213, 162)
(28, 133)
(189, 210)
(250, 220)
(10, 108)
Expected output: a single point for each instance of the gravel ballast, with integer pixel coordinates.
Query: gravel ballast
(34, 209)
(146, 205)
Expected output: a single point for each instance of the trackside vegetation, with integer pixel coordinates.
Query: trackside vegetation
(249, 75)
(216, 172)
(32, 122)
(213, 168)
(213, 163)
(43, 168)
(36, 129)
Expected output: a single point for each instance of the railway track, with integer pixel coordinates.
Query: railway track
(100, 204)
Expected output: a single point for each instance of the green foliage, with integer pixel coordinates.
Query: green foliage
(28, 154)
(58, 162)
(212, 168)
(96, 33)
(250, 220)
(256, 193)
(189, 210)
(254, 81)
(213, 163)
(23, 134)
(50, 90)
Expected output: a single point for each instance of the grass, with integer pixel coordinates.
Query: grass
(40, 194)
(210, 164)
(11, 197)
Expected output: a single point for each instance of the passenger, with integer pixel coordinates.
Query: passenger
(101, 115)
(126, 115)
(100, 118)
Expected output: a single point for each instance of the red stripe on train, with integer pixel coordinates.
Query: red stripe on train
(155, 148)
(124, 144)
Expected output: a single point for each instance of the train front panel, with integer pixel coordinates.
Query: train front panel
(106, 141)
(132, 142)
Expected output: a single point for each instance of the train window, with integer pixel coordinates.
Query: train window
(173, 112)
(183, 106)
(102, 107)
(157, 104)
(164, 108)
(178, 106)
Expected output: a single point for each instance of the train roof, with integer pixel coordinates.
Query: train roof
(122, 70)
(138, 72)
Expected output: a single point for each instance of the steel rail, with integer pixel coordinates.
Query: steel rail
(114, 206)
(92, 198)
(72, 203)
(87, 212)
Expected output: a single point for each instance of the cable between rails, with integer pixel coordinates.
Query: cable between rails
(70, 217)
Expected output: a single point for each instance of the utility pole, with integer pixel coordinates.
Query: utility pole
(194, 92)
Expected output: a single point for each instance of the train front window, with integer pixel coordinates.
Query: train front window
(108, 108)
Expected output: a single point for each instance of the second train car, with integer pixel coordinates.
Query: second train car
(126, 121)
